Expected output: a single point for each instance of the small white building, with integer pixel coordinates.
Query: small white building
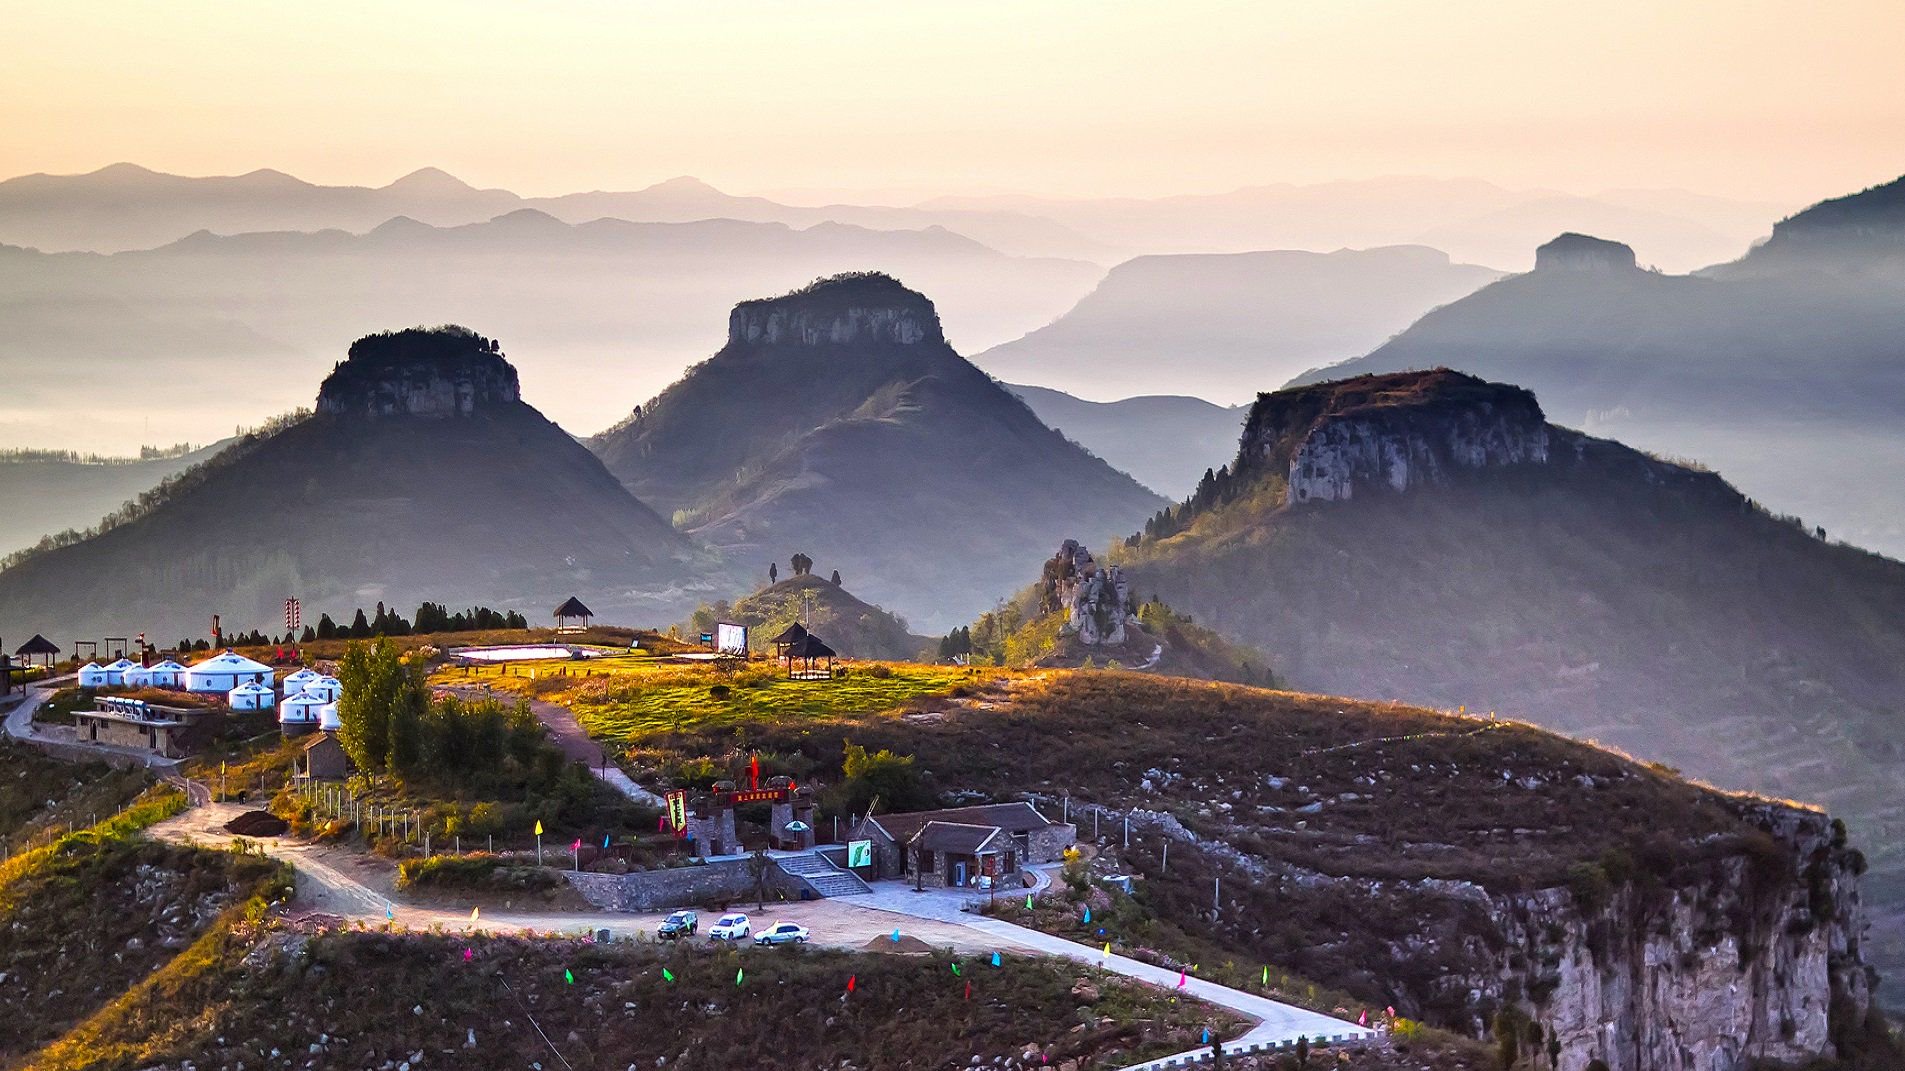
(300, 714)
(325, 688)
(224, 672)
(92, 675)
(167, 674)
(136, 676)
(251, 696)
(328, 721)
(295, 681)
(116, 672)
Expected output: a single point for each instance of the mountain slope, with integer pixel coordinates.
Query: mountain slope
(1430, 537)
(52, 493)
(1790, 381)
(1164, 441)
(422, 475)
(839, 423)
(1214, 325)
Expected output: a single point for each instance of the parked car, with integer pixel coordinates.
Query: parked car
(729, 928)
(782, 933)
(679, 924)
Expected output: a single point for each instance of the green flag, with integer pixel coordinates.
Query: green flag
(1266, 975)
(955, 968)
(739, 973)
(667, 975)
(569, 977)
(1028, 901)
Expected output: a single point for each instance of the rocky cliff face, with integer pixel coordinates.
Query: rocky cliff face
(1581, 252)
(1395, 432)
(1759, 963)
(439, 372)
(838, 311)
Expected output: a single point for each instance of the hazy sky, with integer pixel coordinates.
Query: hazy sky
(1777, 100)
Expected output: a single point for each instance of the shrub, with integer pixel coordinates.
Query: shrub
(719, 691)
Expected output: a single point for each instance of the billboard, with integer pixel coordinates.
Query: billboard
(859, 853)
(730, 638)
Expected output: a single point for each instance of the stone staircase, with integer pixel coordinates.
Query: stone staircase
(822, 876)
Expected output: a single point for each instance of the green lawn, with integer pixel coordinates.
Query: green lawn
(630, 700)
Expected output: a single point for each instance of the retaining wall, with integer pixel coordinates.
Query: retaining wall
(713, 884)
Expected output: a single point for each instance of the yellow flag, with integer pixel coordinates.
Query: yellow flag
(538, 827)
(473, 912)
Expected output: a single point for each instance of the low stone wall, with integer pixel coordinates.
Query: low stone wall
(727, 881)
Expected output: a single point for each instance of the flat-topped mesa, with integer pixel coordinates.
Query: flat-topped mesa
(838, 310)
(425, 372)
(1393, 431)
(1581, 252)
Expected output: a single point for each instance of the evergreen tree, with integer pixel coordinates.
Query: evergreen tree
(360, 626)
(326, 628)
(836, 578)
(773, 573)
(310, 634)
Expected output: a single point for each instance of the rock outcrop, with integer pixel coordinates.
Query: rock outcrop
(1581, 252)
(1394, 431)
(441, 372)
(838, 311)
(1096, 601)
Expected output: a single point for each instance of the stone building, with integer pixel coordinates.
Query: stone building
(133, 723)
(969, 846)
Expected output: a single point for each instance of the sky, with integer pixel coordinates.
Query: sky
(1780, 101)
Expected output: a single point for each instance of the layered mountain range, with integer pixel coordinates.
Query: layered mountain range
(838, 422)
(1784, 369)
(1432, 537)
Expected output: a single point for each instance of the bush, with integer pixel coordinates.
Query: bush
(879, 671)
(475, 871)
(719, 691)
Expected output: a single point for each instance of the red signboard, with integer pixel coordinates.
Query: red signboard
(758, 795)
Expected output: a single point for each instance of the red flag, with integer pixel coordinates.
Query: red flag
(577, 846)
(968, 990)
(754, 771)
(850, 981)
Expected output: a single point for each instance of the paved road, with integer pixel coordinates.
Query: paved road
(20, 726)
(353, 885)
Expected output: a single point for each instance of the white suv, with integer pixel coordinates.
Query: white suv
(729, 928)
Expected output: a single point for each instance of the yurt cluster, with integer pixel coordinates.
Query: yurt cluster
(309, 703)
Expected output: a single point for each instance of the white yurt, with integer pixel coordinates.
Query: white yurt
(116, 672)
(250, 696)
(223, 672)
(325, 688)
(92, 675)
(295, 681)
(299, 714)
(328, 719)
(136, 676)
(167, 674)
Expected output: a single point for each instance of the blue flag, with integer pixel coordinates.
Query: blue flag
(995, 959)
(896, 935)
(1207, 1035)
(1088, 915)
(605, 840)
(389, 915)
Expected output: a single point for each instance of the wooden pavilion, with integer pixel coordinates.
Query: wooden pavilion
(803, 658)
(572, 610)
(38, 647)
(789, 636)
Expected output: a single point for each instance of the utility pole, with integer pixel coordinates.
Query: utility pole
(1164, 865)
(1216, 895)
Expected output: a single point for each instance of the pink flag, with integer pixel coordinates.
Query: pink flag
(1363, 1019)
(1392, 1011)
(1182, 980)
(467, 954)
(577, 846)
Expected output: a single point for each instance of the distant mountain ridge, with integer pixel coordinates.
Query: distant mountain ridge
(421, 476)
(1164, 441)
(1220, 325)
(837, 421)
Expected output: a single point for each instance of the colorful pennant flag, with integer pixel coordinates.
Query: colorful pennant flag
(538, 827)
(995, 959)
(667, 975)
(474, 912)
(1107, 950)
(1087, 914)
(389, 915)
(1392, 1011)
(468, 955)
(1363, 1019)
(577, 846)
(739, 973)
(1183, 979)
(1207, 1035)
(1266, 974)
(568, 976)
(605, 840)
(896, 935)
(968, 990)
(1028, 901)
(851, 978)
(955, 969)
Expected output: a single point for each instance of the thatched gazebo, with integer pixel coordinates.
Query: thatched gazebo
(789, 636)
(38, 647)
(803, 657)
(573, 610)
